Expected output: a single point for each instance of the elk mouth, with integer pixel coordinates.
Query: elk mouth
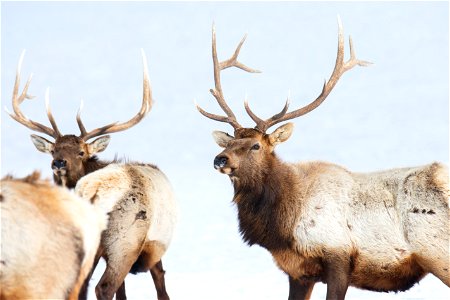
(60, 172)
(227, 170)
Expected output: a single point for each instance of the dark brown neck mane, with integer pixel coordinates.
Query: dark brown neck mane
(263, 200)
(91, 165)
(94, 164)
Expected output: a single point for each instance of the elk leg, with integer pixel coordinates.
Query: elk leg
(117, 267)
(84, 288)
(337, 273)
(300, 290)
(158, 272)
(438, 266)
(120, 294)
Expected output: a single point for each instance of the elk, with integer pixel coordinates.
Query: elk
(381, 231)
(49, 239)
(137, 196)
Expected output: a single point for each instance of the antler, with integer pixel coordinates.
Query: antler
(340, 68)
(114, 127)
(217, 91)
(18, 99)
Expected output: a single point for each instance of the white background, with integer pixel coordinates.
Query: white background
(391, 114)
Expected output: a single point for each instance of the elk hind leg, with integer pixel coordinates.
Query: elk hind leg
(117, 268)
(147, 261)
(121, 294)
(157, 273)
(150, 258)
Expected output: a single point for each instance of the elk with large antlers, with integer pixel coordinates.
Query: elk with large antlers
(380, 231)
(137, 196)
(73, 157)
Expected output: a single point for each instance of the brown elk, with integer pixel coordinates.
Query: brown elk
(126, 191)
(72, 156)
(380, 231)
(49, 239)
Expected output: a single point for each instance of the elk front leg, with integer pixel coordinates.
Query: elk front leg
(300, 290)
(158, 272)
(337, 273)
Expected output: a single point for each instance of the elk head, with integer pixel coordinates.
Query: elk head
(250, 152)
(72, 154)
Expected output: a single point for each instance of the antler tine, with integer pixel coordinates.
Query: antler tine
(233, 62)
(217, 92)
(17, 100)
(340, 68)
(252, 115)
(261, 124)
(79, 122)
(231, 121)
(115, 127)
(49, 112)
(83, 132)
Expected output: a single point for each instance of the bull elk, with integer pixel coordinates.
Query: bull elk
(137, 196)
(381, 231)
(49, 239)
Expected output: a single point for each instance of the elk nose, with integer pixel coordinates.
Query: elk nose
(59, 163)
(220, 162)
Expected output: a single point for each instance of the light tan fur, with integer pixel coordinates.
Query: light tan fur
(143, 214)
(393, 222)
(49, 238)
(382, 231)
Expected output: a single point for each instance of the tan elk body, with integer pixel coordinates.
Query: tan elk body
(381, 231)
(49, 239)
(143, 214)
(137, 197)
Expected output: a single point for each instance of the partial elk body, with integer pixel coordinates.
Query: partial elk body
(49, 239)
(143, 214)
(381, 231)
(137, 196)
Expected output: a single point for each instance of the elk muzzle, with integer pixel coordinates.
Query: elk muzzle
(59, 164)
(59, 167)
(224, 164)
(220, 162)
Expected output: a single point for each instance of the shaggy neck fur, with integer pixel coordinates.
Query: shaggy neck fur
(266, 211)
(92, 164)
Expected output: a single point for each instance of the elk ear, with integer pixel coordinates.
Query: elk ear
(42, 144)
(281, 134)
(98, 145)
(222, 138)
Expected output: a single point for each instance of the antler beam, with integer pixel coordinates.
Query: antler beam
(18, 99)
(340, 68)
(115, 127)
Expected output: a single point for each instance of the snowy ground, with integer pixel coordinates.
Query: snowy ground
(392, 114)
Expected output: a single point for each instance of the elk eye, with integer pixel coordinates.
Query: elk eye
(81, 153)
(52, 152)
(256, 146)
